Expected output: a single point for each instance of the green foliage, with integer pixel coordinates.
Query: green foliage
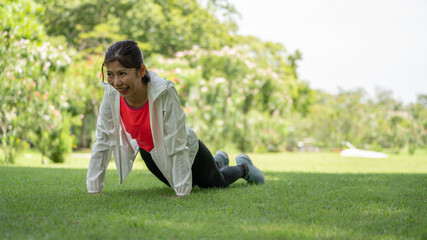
(417, 136)
(54, 141)
(163, 27)
(31, 97)
(19, 20)
(84, 95)
(18, 23)
(381, 124)
(231, 98)
(238, 92)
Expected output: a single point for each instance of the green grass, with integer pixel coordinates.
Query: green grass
(306, 196)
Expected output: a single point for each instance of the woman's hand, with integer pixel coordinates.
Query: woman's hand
(96, 193)
(176, 197)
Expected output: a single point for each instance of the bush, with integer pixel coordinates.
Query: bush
(32, 97)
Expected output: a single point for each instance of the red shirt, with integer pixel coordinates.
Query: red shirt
(137, 123)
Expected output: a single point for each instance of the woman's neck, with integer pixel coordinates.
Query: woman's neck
(136, 104)
(138, 100)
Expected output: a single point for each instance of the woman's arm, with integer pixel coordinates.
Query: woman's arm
(101, 151)
(176, 142)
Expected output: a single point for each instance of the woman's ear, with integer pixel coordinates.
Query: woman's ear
(142, 70)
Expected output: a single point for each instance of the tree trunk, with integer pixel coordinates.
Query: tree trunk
(4, 142)
(243, 140)
(83, 132)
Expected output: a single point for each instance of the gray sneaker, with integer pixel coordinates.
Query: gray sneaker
(254, 174)
(221, 159)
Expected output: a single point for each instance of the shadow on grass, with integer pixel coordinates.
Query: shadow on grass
(39, 201)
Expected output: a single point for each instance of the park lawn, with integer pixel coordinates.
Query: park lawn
(306, 196)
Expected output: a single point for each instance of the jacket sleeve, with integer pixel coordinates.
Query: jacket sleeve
(176, 142)
(101, 150)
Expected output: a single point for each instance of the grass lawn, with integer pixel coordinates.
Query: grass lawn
(306, 196)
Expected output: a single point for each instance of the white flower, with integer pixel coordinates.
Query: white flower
(220, 80)
(179, 54)
(67, 59)
(250, 64)
(65, 104)
(46, 66)
(275, 75)
(169, 61)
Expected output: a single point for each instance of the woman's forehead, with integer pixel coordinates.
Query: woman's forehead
(114, 66)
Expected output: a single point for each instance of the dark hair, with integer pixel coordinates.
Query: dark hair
(128, 54)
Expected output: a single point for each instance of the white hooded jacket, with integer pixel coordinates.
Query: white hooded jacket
(175, 145)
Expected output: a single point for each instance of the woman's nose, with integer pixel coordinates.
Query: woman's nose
(116, 80)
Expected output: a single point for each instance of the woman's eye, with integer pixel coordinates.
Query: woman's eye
(122, 73)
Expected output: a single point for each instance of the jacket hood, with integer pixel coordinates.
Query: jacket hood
(156, 86)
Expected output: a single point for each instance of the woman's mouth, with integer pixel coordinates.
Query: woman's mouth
(122, 90)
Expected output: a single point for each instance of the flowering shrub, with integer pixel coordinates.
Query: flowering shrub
(32, 102)
(84, 91)
(230, 100)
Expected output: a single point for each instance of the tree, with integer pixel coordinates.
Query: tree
(418, 126)
(163, 27)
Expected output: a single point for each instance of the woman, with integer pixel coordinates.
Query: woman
(141, 112)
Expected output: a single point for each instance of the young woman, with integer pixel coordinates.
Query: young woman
(141, 112)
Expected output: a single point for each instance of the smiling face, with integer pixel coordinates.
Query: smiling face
(127, 81)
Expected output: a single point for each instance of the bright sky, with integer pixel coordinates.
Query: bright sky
(348, 43)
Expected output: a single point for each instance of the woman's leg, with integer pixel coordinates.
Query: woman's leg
(206, 173)
(151, 165)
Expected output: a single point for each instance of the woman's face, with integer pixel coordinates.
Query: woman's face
(127, 81)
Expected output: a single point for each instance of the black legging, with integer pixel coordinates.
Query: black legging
(206, 173)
